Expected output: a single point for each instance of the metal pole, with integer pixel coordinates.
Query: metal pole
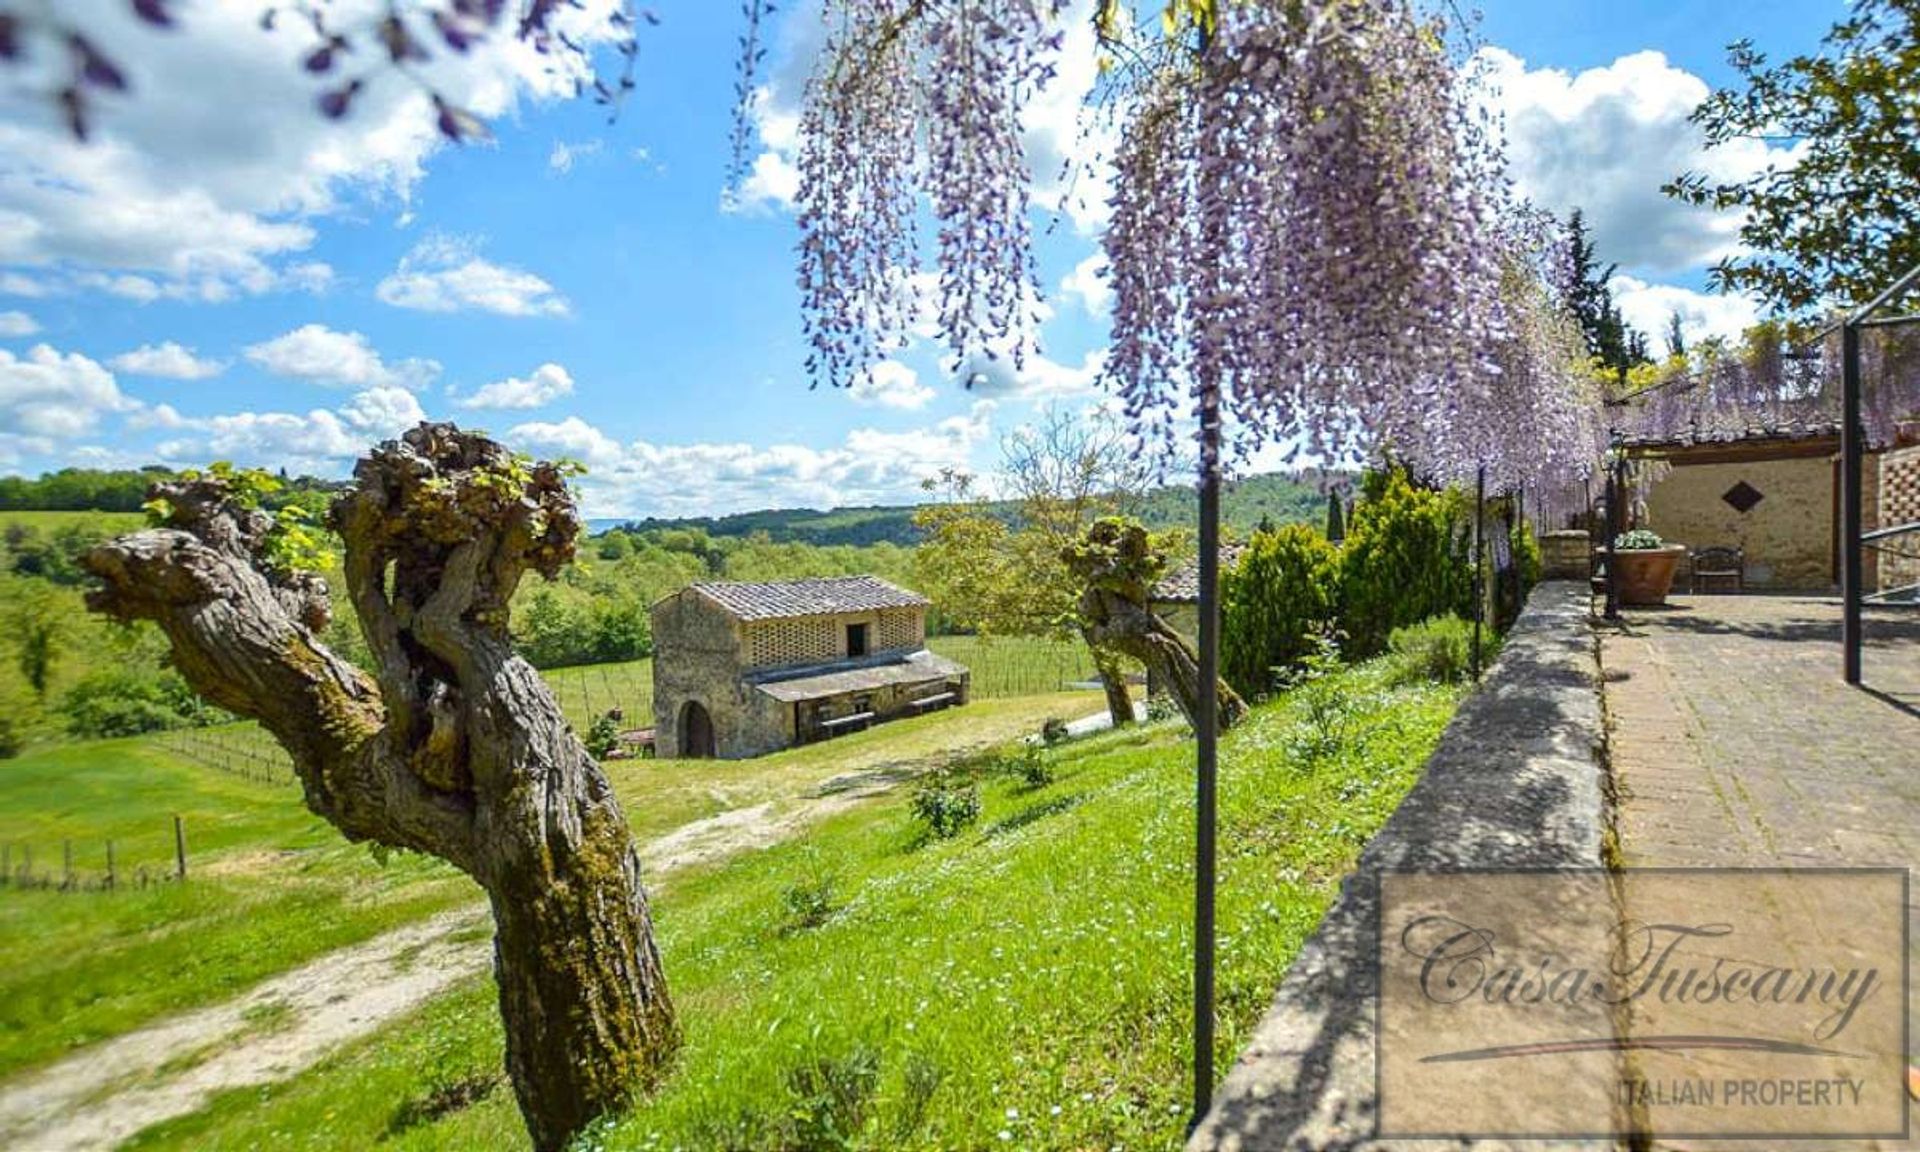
(1479, 565)
(1206, 735)
(1616, 485)
(1852, 574)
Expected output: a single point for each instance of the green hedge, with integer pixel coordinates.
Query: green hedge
(1273, 603)
(1408, 556)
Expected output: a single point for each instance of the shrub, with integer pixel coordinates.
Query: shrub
(1272, 602)
(1031, 767)
(809, 902)
(1439, 649)
(1053, 731)
(603, 738)
(946, 805)
(1510, 594)
(15, 716)
(121, 702)
(1406, 558)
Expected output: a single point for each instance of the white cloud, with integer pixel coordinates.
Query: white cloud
(891, 384)
(1036, 377)
(1088, 285)
(564, 155)
(572, 438)
(773, 179)
(167, 360)
(321, 442)
(319, 355)
(642, 478)
(1606, 140)
(1648, 307)
(542, 386)
(447, 275)
(17, 324)
(46, 396)
(14, 284)
(205, 181)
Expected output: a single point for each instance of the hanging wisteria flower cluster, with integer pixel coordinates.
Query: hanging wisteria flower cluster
(1304, 223)
(1532, 420)
(1777, 379)
(914, 98)
(1306, 241)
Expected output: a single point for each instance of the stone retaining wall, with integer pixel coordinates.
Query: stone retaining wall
(1516, 782)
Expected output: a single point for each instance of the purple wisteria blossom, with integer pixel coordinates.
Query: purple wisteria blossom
(1311, 239)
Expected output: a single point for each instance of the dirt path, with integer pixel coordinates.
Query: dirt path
(101, 1096)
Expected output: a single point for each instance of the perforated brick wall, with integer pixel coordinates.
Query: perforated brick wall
(904, 629)
(808, 640)
(820, 639)
(1900, 504)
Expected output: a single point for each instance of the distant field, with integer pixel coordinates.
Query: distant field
(50, 522)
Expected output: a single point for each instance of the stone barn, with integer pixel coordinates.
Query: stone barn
(745, 669)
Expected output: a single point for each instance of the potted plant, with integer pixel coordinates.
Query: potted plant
(1644, 565)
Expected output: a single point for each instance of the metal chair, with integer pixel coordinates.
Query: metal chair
(1719, 563)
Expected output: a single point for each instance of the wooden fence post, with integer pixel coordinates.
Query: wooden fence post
(66, 863)
(109, 865)
(179, 849)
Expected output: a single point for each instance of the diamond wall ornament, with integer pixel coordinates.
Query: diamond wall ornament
(1742, 496)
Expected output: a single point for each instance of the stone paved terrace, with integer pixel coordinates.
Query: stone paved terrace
(1734, 743)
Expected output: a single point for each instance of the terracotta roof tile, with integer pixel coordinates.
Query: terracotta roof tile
(1182, 585)
(823, 597)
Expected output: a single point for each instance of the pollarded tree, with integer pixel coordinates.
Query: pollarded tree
(998, 569)
(454, 747)
(1116, 566)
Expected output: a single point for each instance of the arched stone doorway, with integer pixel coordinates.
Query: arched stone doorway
(696, 732)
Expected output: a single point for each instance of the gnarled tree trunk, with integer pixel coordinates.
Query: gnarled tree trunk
(456, 748)
(1113, 679)
(1118, 566)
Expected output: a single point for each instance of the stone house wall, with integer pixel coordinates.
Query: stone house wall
(1788, 536)
(702, 653)
(698, 658)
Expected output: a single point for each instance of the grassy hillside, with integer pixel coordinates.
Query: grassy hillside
(1024, 984)
(1285, 498)
(270, 886)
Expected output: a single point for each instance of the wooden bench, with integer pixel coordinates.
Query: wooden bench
(841, 724)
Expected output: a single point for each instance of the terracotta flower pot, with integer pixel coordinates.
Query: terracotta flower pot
(1646, 574)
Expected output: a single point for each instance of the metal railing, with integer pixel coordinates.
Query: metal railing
(1902, 593)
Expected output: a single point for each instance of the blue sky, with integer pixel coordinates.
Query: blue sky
(224, 274)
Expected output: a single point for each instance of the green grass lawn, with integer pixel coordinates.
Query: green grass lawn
(1024, 984)
(270, 886)
(111, 523)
